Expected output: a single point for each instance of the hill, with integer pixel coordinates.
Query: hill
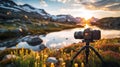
(108, 23)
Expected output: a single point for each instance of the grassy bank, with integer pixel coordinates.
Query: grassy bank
(109, 49)
(32, 29)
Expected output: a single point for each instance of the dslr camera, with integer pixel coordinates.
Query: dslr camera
(88, 34)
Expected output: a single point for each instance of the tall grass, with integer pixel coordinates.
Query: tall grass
(30, 58)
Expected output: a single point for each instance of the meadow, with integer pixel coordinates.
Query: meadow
(109, 49)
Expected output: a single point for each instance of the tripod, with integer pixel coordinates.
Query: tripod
(87, 47)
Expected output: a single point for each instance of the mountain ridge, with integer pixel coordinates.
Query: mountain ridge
(19, 11)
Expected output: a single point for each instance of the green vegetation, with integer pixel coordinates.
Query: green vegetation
(108, 48)
(44, 27)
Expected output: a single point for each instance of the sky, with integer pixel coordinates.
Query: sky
(77, 8)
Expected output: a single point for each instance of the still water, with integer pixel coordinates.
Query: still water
(64, 38)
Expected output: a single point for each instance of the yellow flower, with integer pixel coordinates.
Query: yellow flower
(76, 65)
(44, 65)
(52, 65)
(82, 64)
(45, 56)
(63, 64)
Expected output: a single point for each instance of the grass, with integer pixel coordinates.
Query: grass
(42, 27)
(33, 29)
(108, 48)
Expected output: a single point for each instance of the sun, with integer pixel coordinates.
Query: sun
(86, 14)
(86, 26)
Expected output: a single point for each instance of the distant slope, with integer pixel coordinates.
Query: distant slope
(109, 23)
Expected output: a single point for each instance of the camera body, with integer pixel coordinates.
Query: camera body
(88, 34)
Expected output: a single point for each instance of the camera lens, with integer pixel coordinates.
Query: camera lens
(78, 35)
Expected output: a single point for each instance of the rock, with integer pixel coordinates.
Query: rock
(9, 43)
(42, 46)
(32, 40)
(66, 38)
(9, 56)
(3, 31)
(7, 59)
(16, 32)
(52, 60)
(10, 65)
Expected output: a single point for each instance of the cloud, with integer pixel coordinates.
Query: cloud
(101, 4)
(43, 3)
(114, 7)
(109, 5)
(63, 1)
(53, 0)
(77, 1)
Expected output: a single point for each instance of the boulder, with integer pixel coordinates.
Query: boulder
(32, 40)
(52, 60)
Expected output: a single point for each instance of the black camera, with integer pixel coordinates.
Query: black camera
(88, 34)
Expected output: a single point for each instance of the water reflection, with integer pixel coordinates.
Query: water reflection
(66, 37)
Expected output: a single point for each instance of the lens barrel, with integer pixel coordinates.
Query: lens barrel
(88, 34)
(78, 35)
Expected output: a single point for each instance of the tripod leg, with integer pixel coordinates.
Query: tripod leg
(96, 53)
(77, 54)
(87, 53)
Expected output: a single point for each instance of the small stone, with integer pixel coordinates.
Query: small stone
(9, 56)
(52, 60)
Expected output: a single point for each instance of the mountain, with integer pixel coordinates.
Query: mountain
(7, 3)
(109, 23)
(93, 19)
(10, 10)
(64, 18)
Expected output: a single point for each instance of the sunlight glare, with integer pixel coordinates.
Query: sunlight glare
(87, 26)
(87, 14)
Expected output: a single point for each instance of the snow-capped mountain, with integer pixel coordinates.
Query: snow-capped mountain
(64, 18)
(19, 11)
(9, 9)
(9, 3)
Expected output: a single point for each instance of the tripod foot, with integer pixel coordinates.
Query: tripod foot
(77, 54)
(97, 54)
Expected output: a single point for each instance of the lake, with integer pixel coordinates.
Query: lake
(64, 38)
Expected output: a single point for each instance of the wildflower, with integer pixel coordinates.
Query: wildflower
(63, 64)
(44, 65)
(76, 65)
(82, 64)
(52, 65)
